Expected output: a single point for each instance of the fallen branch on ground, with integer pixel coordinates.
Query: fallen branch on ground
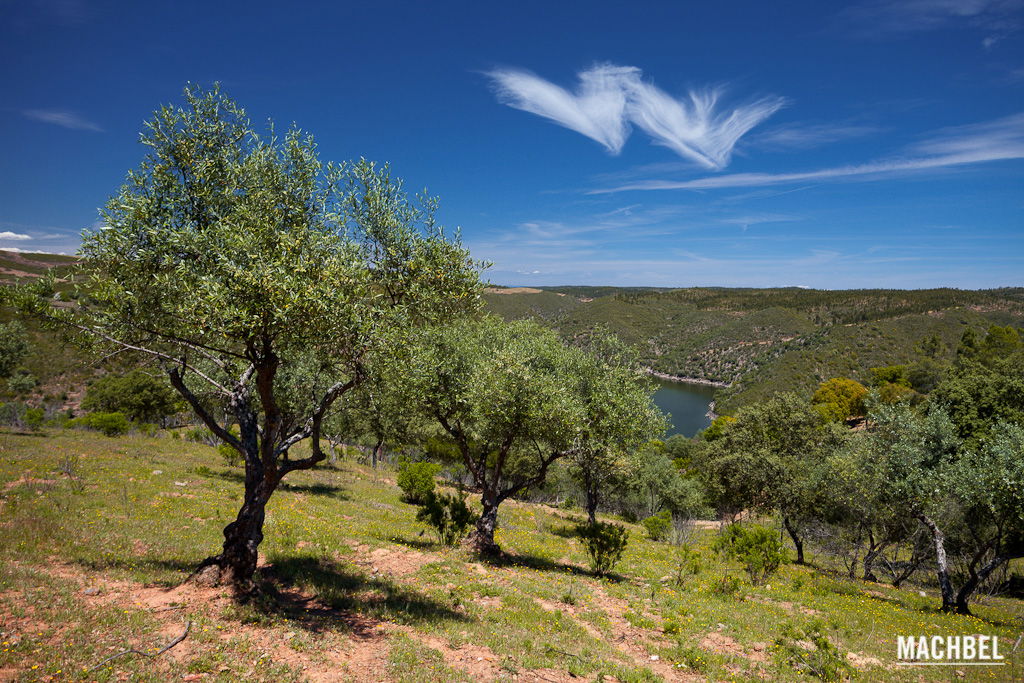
(132, 651)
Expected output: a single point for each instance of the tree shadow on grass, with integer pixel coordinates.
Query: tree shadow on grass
(319, 593)
(542, 564)
(328, 490)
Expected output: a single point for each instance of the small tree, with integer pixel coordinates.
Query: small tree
(260, 280)
(416, 479)
(513, 400)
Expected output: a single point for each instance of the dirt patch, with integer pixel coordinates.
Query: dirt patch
(723, 644)
(630, 640)
(30, 481)
(396, 562)
(862, 661)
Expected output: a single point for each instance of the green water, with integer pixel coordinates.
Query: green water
(685, 404)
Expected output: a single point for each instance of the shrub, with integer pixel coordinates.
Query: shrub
(688, 564)
(822, 660)
(34, 418)
(140, 396)
(417, 481)
(110, 424)
(232, 458)
(727, 585)
(448, 515)
(146, 428)
(604, 543)
(21, 382)
(757, 548)
(658, 526)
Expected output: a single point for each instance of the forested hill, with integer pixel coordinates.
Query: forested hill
(764, 340)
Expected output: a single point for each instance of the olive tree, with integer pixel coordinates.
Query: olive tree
(260, 278)
(766, 459)
(513, 399)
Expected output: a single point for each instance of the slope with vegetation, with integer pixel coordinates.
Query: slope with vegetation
(353, 589)
(763, 340)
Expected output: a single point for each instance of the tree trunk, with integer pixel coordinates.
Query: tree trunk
(939, 539)
(482, 538)
(797, 541)
(590, 490)
(236, 564)
(965, 593)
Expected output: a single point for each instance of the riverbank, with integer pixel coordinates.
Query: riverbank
(687, 380)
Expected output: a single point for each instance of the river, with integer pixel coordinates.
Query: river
(686, 405)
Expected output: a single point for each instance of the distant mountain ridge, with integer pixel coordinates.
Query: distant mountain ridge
(772, 339)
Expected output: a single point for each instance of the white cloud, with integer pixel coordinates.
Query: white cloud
(596, 110)
(807, 136)
(902, 16)
(8, 235)
(694, 127)
(64, 119)
(977, 143)
(611, 97)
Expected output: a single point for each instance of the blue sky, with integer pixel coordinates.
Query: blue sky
(872, 144)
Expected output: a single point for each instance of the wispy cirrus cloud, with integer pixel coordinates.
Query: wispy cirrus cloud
(876, 18)
(811, 135)
(597, 108)
(610, 98)
(64, 119)
(997, 140)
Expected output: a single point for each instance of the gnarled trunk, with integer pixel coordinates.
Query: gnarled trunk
(236, 563)
(963, 596)
(939, 539)
(481, 539)
(797, 541)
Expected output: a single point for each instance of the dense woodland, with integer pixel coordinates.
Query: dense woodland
(321, 313)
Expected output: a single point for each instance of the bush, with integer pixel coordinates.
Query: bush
(688, 564)
(142, 397)
(21, 382)
(658, 526)
(604, 544)
(417, 481)
(110, 424)
(447, 515)
(232, 458)
(34, 418)
(823, 660)
(757, 548)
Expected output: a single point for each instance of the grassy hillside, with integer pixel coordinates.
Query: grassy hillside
(60, 369)
(98, 534)
(763, 340)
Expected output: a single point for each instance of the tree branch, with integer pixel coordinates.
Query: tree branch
(178, 382)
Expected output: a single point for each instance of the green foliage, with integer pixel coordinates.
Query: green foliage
(13, 347)
(840, 398)
(137, 394)
(687, 565)
(21, 382)
(756, 547)
(811, 652)
(447, 514)
(230, 455)
(416, 479)
(890, 374)
(717, 428)
(604, 542)
(109, 424)
(34, 418)
(658, 526)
